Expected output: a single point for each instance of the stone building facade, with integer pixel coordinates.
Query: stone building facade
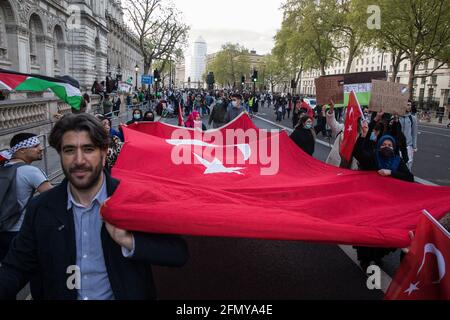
(84, 39)
(429, 93)
(123, 46)
(67, 37)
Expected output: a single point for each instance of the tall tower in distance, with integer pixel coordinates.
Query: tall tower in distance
(198, 65)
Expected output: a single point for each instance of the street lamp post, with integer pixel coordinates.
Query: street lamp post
(137, 70)
(119, 73)
(382, 59)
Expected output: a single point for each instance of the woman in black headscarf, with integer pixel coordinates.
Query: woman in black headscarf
(304, 135)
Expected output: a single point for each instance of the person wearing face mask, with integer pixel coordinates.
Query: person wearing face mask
(219, 112)
(337, 132)
(390, 164)
(304, 135)
(387, 164)
(236, 109)
(385, 160)
(137, 116)
(395, 130)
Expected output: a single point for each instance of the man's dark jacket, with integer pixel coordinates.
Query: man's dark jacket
(45, 247)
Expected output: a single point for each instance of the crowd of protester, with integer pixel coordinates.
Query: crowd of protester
(386, 142)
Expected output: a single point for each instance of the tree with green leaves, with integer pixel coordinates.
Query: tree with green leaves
(229, 65)
(274, 71)
(418, 29)
(311, 25)
(350, 29)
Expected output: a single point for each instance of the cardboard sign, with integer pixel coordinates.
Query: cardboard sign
(389, 97)
(330, 87)
(124, 87)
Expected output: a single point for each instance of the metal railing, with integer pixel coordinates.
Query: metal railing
(50, 163)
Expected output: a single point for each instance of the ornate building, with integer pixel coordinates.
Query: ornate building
(84, 39)
(66, 37)
(429, 92)
(123, 46)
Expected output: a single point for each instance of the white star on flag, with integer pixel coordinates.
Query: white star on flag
(413, 287)
(350, 128)
(217, 166)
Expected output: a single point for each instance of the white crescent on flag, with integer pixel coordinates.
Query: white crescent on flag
(431, 248)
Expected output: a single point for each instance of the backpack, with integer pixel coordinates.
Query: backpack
(9, 206)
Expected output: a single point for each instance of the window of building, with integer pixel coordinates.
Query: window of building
(434, 79)
(3, 36)
(405, 67)
(372, 69)
(398, 79)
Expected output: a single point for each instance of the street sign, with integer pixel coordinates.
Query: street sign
(147, 79)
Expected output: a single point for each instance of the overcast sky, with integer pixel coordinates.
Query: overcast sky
(251, 23)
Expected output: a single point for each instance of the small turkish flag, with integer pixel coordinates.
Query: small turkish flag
(307, 107)
(354, 113)
(425, 271)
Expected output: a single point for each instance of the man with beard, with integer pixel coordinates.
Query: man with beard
(64, 243)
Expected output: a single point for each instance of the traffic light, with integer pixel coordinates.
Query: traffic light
(210, 80)
(293, 84)
(156, 75)
(255, 76)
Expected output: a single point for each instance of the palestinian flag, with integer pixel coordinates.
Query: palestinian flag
(63, 89)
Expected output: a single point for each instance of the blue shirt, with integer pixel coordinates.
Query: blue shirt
(95, 283)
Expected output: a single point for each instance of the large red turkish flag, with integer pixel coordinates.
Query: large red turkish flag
(354, 113)
(425, 271)
(263, 186)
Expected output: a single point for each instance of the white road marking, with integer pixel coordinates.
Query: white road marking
(434, 127)
(385, 278)
(437, 134)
